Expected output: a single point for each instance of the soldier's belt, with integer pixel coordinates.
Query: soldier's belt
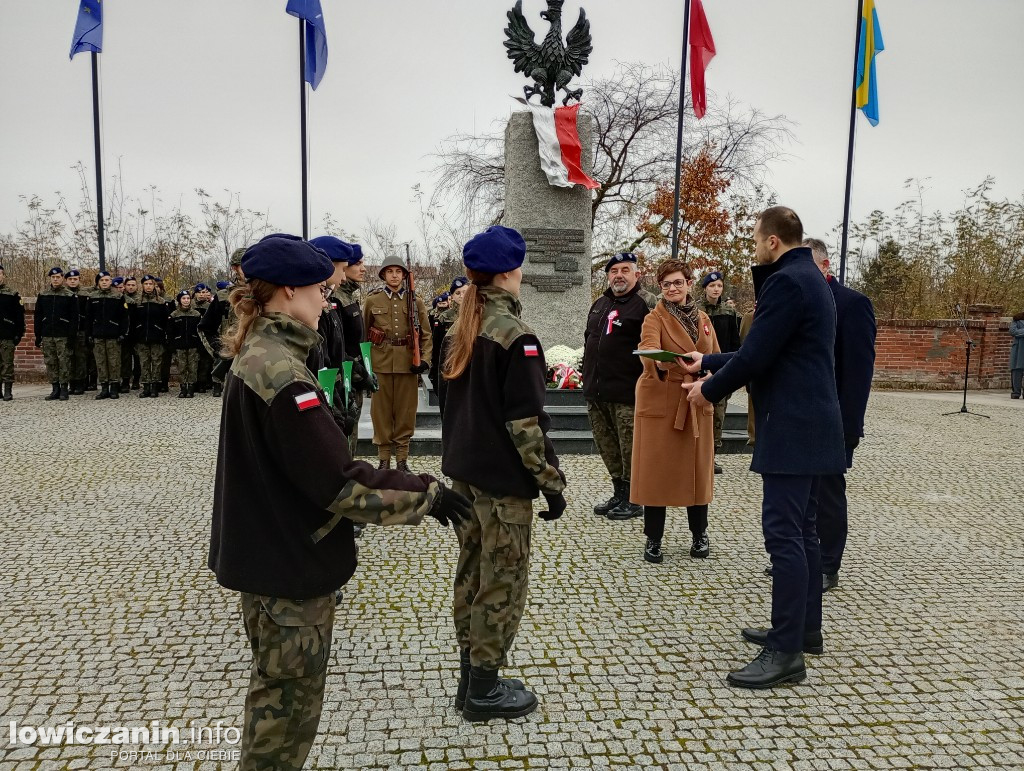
(398, 341)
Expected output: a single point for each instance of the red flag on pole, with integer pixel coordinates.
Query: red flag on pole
(702, 51)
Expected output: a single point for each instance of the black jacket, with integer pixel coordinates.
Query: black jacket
(183, 330)
(12, 316)
(788, 357)
(149, 321)
(107, 316)
(855, 356)
(610, 370)
(726, 324)
(56, 314)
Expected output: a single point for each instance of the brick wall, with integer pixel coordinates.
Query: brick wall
(930, 354)
(28, 360)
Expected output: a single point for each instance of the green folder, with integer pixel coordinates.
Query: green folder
(327, 378)
(365, 348)
(660, 355)
(346, 368)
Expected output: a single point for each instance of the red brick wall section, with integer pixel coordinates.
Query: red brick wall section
(910, 353)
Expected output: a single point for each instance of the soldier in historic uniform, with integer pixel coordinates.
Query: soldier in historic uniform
(56, 326)
(107, 326)
(389, 328)
(80, 345)
(149, 330)
(183, 339)
(201, 298)
(283, 538)
(726, 322)
(494, 446)
(610, 372)
(12, 329)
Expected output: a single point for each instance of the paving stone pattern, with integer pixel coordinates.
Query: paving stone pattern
(110, 616)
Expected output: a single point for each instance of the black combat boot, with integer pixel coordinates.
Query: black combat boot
(191, 391)
(701, 546)
(183, 392)
(104, 392)
(403, 466)
(488, 698)
(114, 391)
(384, 463)
(8, 396)
(145, 393)
(163, 387)
(768, 669)
(126, 384)
(602, 509)
(217, 388)
(464, 667)
(625, 510)
(77, 388)
(64, 390)
(135, 385)
(652, 551)
(54, 394)
(91, 383)
(154, 390)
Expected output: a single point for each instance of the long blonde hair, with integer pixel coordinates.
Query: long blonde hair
(248, 303)
(467, 326)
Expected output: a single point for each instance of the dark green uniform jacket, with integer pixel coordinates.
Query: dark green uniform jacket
(56, 314)
(107, 317)
(149, 319)
(12, 314)
(183, 329)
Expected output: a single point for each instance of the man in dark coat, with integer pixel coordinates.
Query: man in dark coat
(855, 365)
(610, 372)
(788, 357)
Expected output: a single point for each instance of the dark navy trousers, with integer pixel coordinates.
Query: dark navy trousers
(788, 512)
(832, 521)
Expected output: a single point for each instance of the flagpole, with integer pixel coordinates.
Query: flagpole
(101, 239)
(849, 151)
(679, 131)
(302, 128)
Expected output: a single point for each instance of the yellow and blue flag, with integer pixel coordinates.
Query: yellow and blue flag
(316, 38)
(870, 46)
(88, 29)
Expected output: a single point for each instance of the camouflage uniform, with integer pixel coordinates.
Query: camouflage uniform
(297, 519)
(149, 328)
(80, 344)
(131, 370)
(56, 326)
(12, 329)
(107, 322)
(203, 379)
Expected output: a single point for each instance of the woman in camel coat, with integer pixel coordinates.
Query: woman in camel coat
(673, 441)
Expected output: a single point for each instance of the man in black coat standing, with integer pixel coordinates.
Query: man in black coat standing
(788, 358)
(855, 365)
(610, 372)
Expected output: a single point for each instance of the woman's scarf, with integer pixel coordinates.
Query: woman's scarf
(687, 315)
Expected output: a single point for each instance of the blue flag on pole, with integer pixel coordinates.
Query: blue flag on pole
(316, 38)
(88, 29)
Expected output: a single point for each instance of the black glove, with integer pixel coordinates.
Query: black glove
(363, 380)
(420, 368)
(556, 507)
(219, 371)
(451, 507)
(852, 442)
(345, 419)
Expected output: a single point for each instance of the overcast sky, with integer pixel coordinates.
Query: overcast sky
(203, 93)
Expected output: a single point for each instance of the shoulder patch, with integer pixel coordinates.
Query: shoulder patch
(307, 401)
(530, 349)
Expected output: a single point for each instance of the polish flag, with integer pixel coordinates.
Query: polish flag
(561, 155)
(530, 350)
(307, 401)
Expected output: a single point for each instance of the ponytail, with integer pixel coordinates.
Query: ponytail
(247, 302)
(467, 326)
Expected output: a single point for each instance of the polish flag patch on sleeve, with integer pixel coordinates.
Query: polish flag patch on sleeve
(307, 401)
(530, 350)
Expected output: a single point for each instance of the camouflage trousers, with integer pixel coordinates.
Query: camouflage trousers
(108, 360)
(150, 358)
(203, 377)
(7, 361)
(187, 362)
(129, 363)
(57, 356)
(165, 364)
(291, 647)
(79, 357)
(719, 421)
(353, 438)
(492, 575)
(612, 425)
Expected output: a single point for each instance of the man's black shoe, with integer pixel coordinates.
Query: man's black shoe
(829, 581)
(652, 551)
(718, 468)
(769, 669)
(487, 698)
(768, 571)
(602, 509)
(701, 547)
(464, 674)
(813, 642)
(626, 510)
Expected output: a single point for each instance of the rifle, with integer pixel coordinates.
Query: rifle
(414, 317)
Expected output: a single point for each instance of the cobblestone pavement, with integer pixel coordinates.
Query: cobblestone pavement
(110, 616)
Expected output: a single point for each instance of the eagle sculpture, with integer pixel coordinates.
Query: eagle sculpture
(552, 64)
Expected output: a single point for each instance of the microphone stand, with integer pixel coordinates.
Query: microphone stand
(969, 344)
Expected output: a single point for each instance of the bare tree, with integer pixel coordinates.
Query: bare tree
(230, 224)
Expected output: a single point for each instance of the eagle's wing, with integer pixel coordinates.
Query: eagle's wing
(522, 47)
(578, 44)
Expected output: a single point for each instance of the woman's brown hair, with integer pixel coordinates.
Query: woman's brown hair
(467, 326)
(248, 302)
(1019, 316)
(668, 267)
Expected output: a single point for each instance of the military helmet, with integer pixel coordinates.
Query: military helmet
(236, 256)
(394, 261)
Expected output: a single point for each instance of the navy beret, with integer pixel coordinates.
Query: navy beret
(55, 271)
(117, 281)
(458, 283)
(223, 285)
(286, 260)
(183, 293)
(149, 277)
(619, 259)
(336, 249)
(103, 274)
(715, 275)
(357, 254)
(72, 273)
(497, 250)
(201, 287)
